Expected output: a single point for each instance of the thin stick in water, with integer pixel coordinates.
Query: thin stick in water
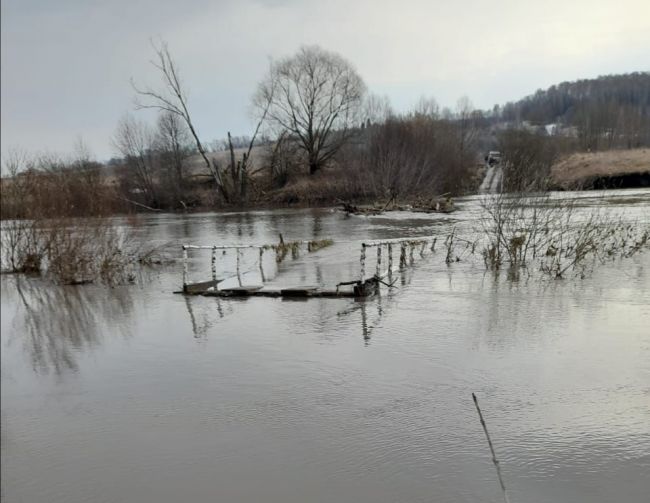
(494, 456)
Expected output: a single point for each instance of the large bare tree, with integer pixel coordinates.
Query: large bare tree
(316, 96)
(172, 98)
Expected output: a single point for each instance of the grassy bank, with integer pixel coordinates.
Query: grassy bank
(586, 169)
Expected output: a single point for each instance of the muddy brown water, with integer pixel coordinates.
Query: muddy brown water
(136, 394)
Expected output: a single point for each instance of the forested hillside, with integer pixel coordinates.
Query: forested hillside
(606, 112)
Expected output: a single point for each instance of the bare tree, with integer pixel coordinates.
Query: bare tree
(241, 171)
(527, 159)
(427, 107)
(315, 95)
(376, 109)
(467, 131)
(172, 99)
(87, 179)
(172, 140)
(134, 141)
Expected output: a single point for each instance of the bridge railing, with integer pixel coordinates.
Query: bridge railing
(403, 244)
(406, 247)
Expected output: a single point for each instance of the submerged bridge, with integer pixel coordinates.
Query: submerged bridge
(397, 254)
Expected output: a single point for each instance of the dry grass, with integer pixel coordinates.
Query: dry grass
(327, 187)
(571, 170)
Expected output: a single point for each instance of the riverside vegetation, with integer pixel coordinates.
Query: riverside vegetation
(321, 139)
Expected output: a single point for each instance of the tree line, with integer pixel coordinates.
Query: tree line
(611, 111)
(321, 137)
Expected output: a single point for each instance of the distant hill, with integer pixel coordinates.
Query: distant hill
(607, 112)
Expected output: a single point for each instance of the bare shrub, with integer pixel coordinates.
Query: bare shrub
(21, 247)
(417, 155)
(77, 251)
(40, 233)
(284, 159)
(527, 158)
(84, 251)
(53, 186)
(309, 190)
(554, 235)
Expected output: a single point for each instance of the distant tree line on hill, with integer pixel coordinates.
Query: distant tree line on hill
(611, 111)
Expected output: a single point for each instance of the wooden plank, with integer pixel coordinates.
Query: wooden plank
(298, 291)
(240, 291)
(270, 292)
(197, 288)
(369, 287)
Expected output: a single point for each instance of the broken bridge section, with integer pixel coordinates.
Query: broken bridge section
(232, 266)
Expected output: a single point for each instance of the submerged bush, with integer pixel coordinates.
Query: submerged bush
(553, 235)
(73, 251)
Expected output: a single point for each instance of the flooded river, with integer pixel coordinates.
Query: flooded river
(134, 393)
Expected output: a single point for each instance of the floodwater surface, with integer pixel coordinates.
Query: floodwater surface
(134, 393)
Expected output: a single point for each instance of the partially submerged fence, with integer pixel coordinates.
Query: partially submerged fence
(404, 244)
(406, 247)
(261, 249)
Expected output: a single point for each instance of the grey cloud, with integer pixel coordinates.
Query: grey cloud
(66, 65)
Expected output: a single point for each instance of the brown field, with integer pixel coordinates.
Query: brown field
(575, 168)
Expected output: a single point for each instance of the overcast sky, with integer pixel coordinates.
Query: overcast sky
(66, 64)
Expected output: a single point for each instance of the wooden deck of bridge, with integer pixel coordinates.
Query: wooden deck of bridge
(210, 289)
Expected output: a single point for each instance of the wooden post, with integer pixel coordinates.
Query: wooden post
(214, 264)
(238, 266)
(411, 253)
(378, 261)
(422, 248)
(185, 267)
(433, 244)
(402, 255)
(262, 263)
(390, 263)
(363, 263)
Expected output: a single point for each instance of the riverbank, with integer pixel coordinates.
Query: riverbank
(71, 195)
(603, 170)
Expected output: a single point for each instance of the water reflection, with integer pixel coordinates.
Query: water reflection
(202, 321)
(370, 311)
(54, 323)
(364, 401)
(317, 226)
